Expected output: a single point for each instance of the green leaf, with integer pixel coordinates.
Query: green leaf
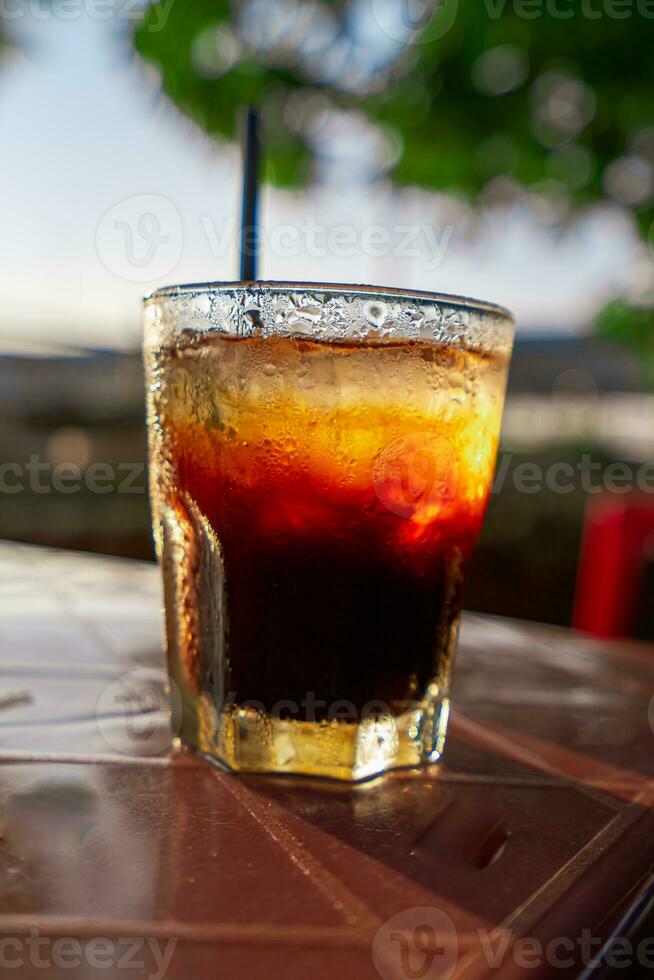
(483, 91)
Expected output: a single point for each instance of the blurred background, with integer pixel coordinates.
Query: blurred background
(497, 148)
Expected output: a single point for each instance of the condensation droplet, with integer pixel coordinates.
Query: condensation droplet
(201, 305)
(311, 313)
(375, 313)
(253, 318)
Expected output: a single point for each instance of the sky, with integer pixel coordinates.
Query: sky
(106, 192)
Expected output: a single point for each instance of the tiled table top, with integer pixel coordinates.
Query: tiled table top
(538, 824)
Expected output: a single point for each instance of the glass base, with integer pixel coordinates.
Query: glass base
(247, 740)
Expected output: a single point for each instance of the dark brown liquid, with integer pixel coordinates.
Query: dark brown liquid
(340, 491)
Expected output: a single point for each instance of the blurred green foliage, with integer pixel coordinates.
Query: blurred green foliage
(633, 328)
(487, 88)
(554, 96)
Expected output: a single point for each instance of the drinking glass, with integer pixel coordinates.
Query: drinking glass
(320, 462)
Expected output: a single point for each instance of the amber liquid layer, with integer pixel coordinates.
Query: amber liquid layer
(315, 507)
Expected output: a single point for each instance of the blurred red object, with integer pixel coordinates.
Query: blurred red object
(616, 546)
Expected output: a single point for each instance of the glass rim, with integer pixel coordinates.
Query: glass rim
(391, 292)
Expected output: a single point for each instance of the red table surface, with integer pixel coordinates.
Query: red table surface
(537, 824)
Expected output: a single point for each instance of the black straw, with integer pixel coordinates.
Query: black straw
(249, 225)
